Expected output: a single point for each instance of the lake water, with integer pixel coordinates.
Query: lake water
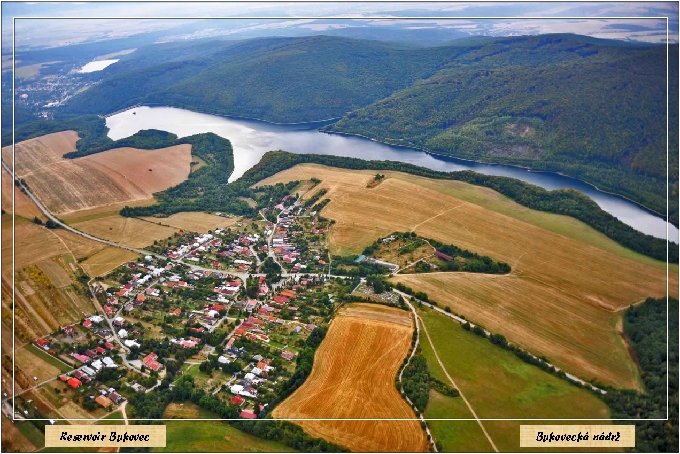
(252, 139)
(96, 65)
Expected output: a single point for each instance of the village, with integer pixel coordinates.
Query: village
(231, 307)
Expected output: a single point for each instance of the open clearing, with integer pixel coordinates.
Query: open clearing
(209, 436)
(194, 221)
(567, 284)
(353, 377)
(498, 385)
(110, 177)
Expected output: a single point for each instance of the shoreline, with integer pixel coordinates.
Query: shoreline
(442, 156)
(499, 164)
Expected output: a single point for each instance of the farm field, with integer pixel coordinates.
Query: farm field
(23, 205)
(14, 440)
(32, 364)
(353, 377)
(129, 231)
(110, 177)
(498, 385)
(567, 285)
(106, 260)
(194, 221)
(209, 436)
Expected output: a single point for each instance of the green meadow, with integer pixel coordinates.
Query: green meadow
(498, 385)
(212, 436)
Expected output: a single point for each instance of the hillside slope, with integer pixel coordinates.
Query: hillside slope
(599, 118)
(276, 79)
(592, 109)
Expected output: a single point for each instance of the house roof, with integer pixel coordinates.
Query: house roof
(103, 401)
(248, 414)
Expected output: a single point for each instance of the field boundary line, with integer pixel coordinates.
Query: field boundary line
(467, 403)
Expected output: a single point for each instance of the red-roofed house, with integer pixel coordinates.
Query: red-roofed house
(150, 362)
(176, 312)
(74, 382)
(248, 414)
(42, 342)
(281, 299)
(237, 400)
(288, 294)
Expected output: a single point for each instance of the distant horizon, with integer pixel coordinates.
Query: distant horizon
(446, 21)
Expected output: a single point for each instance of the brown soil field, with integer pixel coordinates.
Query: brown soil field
(353, 377)
(568, 282)
(110, 177)
(194, 221)
(128, 231)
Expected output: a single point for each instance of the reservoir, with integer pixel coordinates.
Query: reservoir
(251, 139)
(96, 65)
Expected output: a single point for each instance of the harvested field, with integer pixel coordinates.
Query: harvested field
(23, 206)
(32, 244)
(34, 366)
(106, 260)
(194, 221)
(568, 282)
(128, 231)
(110, 177)
(353, 377)
(55, 273)
(42, 307)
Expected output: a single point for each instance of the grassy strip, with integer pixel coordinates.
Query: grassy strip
(59, 364)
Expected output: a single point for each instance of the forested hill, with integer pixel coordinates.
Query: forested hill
(276, 79)
(592, 109)
(601, 118)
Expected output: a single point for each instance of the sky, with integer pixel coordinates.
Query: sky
(37, 33)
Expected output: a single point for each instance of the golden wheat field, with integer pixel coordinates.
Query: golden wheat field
(568, 285)
(110, 177)
(354, 377)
